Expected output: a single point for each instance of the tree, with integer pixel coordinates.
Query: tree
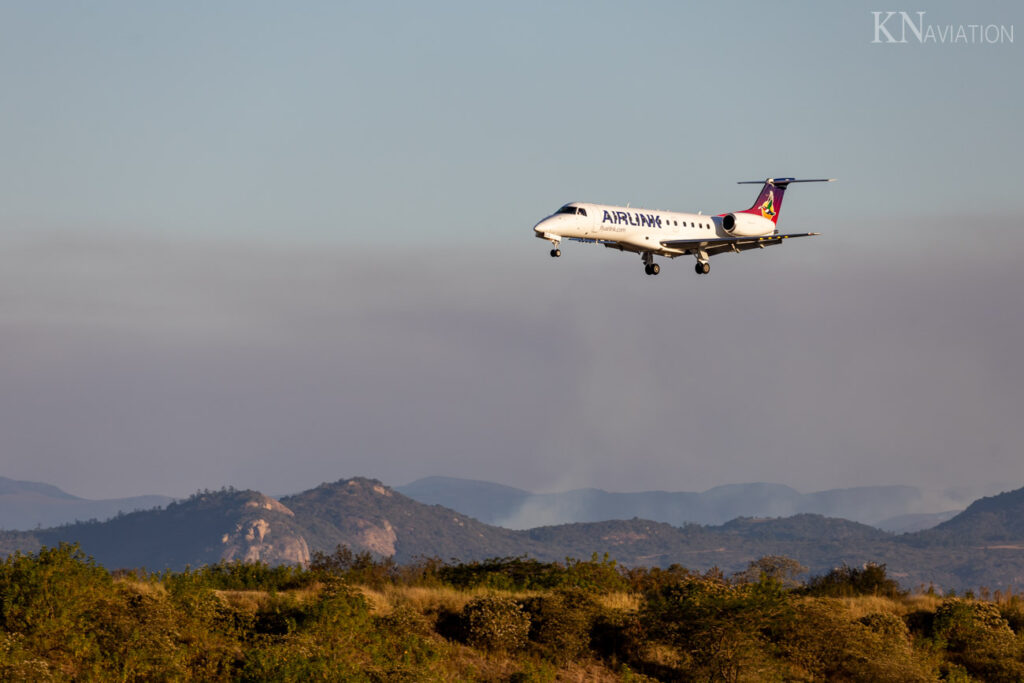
(779, 568)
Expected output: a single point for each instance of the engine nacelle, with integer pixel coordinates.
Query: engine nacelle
(747, 225)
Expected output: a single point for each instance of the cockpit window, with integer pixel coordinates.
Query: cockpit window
(567, 209)
(582, 212)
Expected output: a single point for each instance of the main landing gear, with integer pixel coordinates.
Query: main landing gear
(555, 253)
(650, 267)
(702, 268)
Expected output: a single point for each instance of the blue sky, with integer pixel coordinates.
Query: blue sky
(362, 122)
(270, 245)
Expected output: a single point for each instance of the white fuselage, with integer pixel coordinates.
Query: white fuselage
(632, 228)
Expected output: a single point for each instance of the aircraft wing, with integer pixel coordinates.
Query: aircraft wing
(717, 245)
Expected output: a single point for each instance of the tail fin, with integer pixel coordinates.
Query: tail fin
(769, 203)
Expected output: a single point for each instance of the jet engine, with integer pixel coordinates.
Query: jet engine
(747, 225)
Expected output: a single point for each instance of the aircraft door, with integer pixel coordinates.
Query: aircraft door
(586, 222)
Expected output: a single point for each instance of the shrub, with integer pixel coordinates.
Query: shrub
(403, 619)
(979, 639)
(846, 581)
(779, 568)
(1013, 612)
(647, 579)
(887, 625)
(358, 568)
(560, 622)
(822, 642)
(719, 629)
(503, 573)
(961, 622)
(51, 598)
(495, 623)
(597, 573)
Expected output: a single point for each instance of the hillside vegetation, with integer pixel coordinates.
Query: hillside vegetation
(351, 617)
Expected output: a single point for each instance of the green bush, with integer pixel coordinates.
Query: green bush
(846, 581)
(560, 622)
(52, 599)
(717, 629)
(887, 625)
(244, 576)
(495, 623)
(822, 642)
(359, 568)
(1013, 612)
(978, 638)
(403, 619)
(504, 573)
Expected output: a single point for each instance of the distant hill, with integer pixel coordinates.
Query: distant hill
(482, 500)
(990, 520)
(205, 528)
(902, 524)
(518, 509)
(366, 515)
(29, 504)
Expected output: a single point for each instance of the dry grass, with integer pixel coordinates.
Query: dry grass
(248, 601)
(428, 599)
(863, 605)
(921, 601)
(143, 587)
(423, 599)
(620, 601)
(252, 601)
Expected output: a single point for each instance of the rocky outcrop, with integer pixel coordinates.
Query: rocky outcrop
(377, 537)
(255, 541)
(265, 534)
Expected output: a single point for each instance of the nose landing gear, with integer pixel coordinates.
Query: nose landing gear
(555, 253)
(650, 267)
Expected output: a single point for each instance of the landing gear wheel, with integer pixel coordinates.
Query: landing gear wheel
(555, 253)
(702, 268)
(655, 269)
(647, 269)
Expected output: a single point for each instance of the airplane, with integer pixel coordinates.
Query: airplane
(670, 234)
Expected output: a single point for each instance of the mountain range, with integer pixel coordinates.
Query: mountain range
(892, 508)
(29, 504)
(983, 545)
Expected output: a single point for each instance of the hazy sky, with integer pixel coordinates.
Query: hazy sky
(268, 246)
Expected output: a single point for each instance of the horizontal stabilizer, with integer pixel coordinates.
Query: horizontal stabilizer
(786, 181)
